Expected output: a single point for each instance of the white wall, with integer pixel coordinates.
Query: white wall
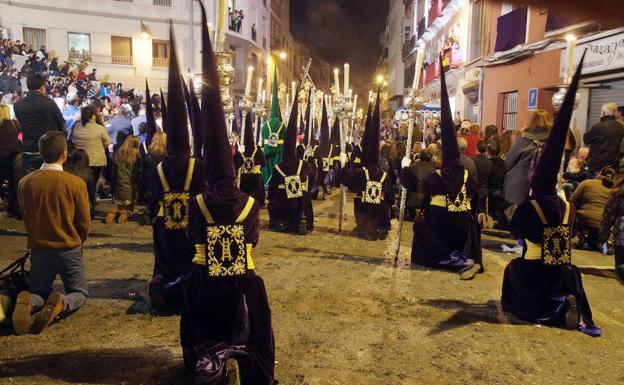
(105, 18)
(396, 71)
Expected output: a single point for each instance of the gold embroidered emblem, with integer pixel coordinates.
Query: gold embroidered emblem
(556, 247)
(372, 193)
(460, 203)
(175, 206)
(273, 139)
(294, 187)
(248, 166)
(325, 164)
(225, 250)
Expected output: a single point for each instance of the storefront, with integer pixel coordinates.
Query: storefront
(603, 75)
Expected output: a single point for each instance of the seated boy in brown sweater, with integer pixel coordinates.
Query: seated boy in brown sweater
(55, 207)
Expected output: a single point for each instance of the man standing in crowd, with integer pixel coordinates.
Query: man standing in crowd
(604, 141)
(55, 206)
(37, 115)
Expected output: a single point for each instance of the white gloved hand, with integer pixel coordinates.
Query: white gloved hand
(605, 248)
(406, 162)
(343, 159)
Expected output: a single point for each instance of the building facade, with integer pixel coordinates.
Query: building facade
(128, 40)
(502, 61)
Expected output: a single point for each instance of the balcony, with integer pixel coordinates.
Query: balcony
(435, 11)
(111, 59)
(421, 27)
(160, 62)
(162, 3)
(408, 47)
(452, 59)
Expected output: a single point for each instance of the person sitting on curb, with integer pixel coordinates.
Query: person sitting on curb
(55, 207)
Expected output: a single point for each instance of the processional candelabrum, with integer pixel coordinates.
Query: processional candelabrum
(259, 111)
(226, 77)
(343, 110)
(413, 102)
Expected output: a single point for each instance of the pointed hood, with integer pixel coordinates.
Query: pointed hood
(324, 138)
(450, 147)
(258, 130)
(275, 115)
(177, 122)
(367, 123)
(544, 180)
(187, 96)
(149, 116)
(335, 132)
(220, 180)
(163, 113)
(196, 123)
(370, 147)
(248, 140)
(290, 139)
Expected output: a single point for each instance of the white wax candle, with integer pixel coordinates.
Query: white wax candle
(346, 79)
(354, 104)
(370, 96)
(418, 69)
(260, 90)
(249, 78)
(337, 81)
(223, 16)
(287, 102)
(263, 96)
(571, 46)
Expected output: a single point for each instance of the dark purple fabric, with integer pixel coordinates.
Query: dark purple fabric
(149, 116)
(252, 184)
(220, 176)
(372, 220)
(290, 138)
(221, 315)
(307, 119)
(248, 140)
(288, 212)
(334, 137)
(554, 22)
(441, 233)
(370, 147)
(324, 137)
(178, 145)
(173, 250)
(511, 29)
(163, 113)
(196, 123)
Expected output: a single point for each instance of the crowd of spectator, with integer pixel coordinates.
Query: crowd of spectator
(503, 163)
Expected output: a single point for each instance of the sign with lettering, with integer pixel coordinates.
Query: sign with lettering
(605, 54)
(532, 99)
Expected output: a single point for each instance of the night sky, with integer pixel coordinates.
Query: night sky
(342, 31)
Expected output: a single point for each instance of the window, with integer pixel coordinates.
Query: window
(476, 30)
(160, 53)
(163, 3)
(121, 49)
(510, 111)
(79, 46)
(34, 38)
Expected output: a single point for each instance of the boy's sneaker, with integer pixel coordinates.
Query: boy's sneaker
(572, 316)
(52, 308)
(22, 317)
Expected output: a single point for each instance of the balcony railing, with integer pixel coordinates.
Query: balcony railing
(408, 46)
(421, 27)
(452, 59)
(163, 3)
(160, 62)
(111, 59)
(79, 56)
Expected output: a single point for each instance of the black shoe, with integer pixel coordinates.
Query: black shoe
(157, 300)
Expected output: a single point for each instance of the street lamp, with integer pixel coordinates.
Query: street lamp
(282, 55)
(145, 31)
